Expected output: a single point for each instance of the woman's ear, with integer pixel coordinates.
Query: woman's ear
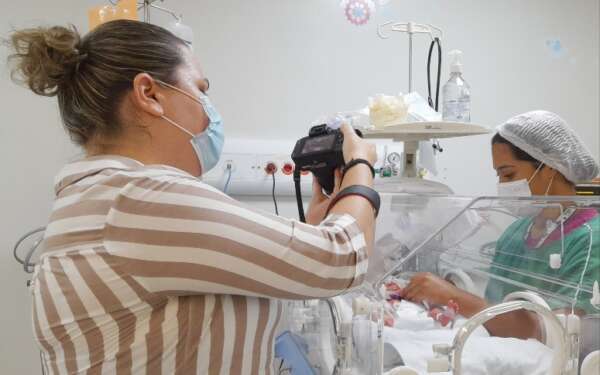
(146, 95)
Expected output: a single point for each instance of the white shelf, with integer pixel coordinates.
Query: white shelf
(422, 131)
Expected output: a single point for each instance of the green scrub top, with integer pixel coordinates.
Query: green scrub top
(517, 260)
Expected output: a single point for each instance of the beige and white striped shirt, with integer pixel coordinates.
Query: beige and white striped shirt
(147, 270)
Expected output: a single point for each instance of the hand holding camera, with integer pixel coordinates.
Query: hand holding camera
(355, 147)
(319, 202)
(326, 149)
(325, 152)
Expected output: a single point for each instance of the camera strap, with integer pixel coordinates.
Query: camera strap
(298, 188)
(363, 191)
(354, 162)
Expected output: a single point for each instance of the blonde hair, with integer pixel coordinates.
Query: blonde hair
(91, 75)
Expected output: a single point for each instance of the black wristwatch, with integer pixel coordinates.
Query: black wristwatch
(366, 192)
(354, 162)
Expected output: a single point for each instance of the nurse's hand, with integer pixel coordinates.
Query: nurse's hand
(428, 287)
(320, 202)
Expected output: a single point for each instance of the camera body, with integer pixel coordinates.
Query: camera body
(321, 153)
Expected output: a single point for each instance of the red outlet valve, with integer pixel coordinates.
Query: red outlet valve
(288, 169)
(271, 168)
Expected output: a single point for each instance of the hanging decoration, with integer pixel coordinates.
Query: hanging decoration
(358, 12)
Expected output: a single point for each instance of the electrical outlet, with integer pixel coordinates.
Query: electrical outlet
(229, 164)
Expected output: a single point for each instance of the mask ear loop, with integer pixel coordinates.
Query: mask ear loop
(550, 184)
(197, 100)
(535, 173)
(177, 125)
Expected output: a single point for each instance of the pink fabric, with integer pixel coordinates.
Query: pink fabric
(578, 219)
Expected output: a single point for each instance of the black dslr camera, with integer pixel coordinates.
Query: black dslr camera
(321, 153)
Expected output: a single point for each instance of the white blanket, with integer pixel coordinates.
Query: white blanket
(415, 333)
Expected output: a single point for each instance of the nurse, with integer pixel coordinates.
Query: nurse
(534, 153)
(145, 269)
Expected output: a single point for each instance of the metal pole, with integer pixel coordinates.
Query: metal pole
(146, 10)
(410, 61)
(409, 159)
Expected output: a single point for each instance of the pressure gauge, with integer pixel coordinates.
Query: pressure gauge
(394, 158)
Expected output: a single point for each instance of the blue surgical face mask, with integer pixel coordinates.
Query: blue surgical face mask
(208, 145)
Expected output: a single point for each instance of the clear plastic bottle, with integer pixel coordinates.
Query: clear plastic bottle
(456, 92)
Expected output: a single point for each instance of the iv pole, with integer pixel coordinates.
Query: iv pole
(411, 148)
(146, 5)
(410, 28)
(179, 29)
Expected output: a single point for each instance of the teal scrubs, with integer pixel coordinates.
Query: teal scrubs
(518, 261)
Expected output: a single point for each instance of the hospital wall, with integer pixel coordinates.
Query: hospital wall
(276, 65)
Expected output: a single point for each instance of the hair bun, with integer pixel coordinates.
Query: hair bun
(45, 58)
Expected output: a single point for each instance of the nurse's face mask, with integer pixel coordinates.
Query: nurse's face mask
(521, 188)
(208, 145)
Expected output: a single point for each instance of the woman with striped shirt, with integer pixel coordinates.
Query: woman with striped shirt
(145, 269)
